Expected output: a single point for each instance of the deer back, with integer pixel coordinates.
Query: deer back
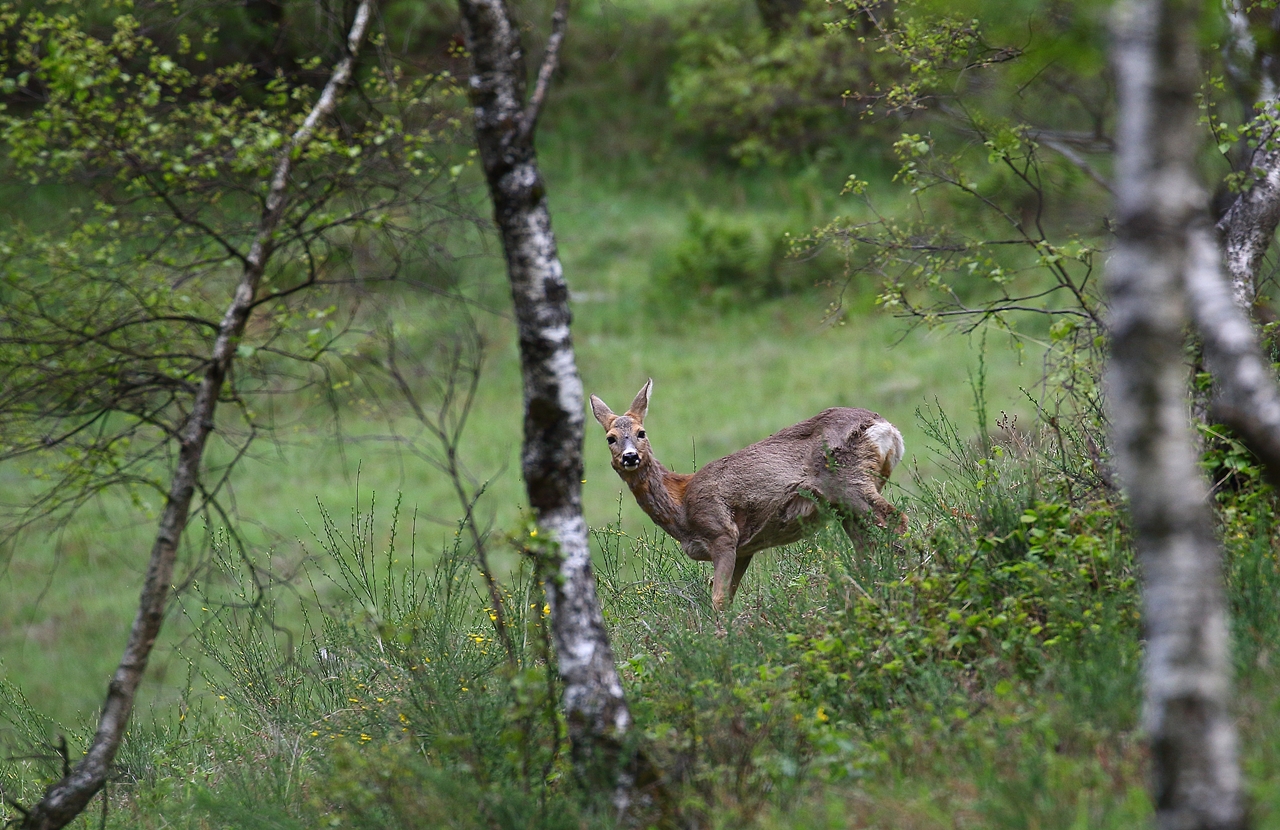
(773, 489)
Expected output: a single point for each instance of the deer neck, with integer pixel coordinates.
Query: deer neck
(660, 493)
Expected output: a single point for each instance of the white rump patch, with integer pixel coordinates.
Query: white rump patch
(888, 441)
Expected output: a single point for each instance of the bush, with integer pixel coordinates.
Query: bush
(724, 261)
(757, 95)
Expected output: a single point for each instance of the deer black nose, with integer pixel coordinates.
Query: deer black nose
(630, 459)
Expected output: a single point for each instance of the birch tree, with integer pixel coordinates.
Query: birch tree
(1249, 224)
(124, 344)
(1245, 396)
(505, 119)
(1161, 210)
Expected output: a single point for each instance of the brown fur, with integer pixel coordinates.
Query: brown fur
(676, 484)
(764, 495)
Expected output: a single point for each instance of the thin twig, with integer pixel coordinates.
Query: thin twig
(1078, 161)
(550, 60)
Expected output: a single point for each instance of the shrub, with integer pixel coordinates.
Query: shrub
(723, 261)
(398, 696)
(768, 96)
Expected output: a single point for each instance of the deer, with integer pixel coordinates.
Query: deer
(773, 492)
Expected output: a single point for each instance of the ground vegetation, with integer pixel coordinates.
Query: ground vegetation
(984, 668)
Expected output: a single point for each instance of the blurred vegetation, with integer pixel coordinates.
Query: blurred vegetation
(724, 261)
(980, 670)
(773, 87)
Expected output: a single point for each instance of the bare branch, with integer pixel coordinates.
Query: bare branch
(1064, 150)
(550, 60)
(446, 424)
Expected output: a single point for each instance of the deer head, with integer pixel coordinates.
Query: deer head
(625, 433)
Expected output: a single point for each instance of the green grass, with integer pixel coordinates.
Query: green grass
(819, 709)
(767, 727)
(718, 387)
(723, 379)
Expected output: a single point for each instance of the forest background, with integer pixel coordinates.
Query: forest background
(748, 215)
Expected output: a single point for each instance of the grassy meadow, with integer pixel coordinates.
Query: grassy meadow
(980, 672)
(724, 377)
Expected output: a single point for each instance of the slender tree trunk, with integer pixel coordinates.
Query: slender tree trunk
(1245, 395)
(594, 705)
(1249, 225)
(68, 797)
(1196, 775)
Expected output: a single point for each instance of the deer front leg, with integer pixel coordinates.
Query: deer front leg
(724, 556)
(739, 568)
(886, 514)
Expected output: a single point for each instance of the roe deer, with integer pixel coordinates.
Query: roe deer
(768, 494)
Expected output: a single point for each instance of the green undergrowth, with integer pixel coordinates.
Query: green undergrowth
(741, 346)
(981, 669)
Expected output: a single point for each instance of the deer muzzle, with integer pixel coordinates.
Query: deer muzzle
(630, 458)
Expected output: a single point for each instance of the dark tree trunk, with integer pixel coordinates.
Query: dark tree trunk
(1196, 774)
(68, 797)
(594, 705)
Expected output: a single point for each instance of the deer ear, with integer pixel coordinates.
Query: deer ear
(602, 412)
(640, 406)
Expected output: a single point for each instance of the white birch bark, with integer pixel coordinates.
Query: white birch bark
(1249, 225)
(1245, 393)
(594, 705)
(1196, 776)
(1245, 396)
(67, 798)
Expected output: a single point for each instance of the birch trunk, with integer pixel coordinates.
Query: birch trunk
(594, 705)
(1249, 225)
(67, 798)
(1245, 396)
(1196, 776)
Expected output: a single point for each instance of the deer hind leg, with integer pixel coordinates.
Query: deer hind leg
(873, 508)
(725, 565)
(856, 476)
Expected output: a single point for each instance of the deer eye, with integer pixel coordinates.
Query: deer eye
(640, 434)
(611, 439)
